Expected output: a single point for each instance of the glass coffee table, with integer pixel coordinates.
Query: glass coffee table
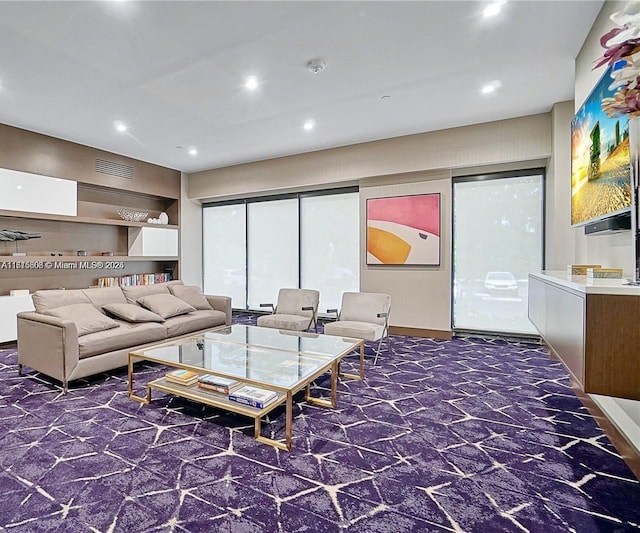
(281, 361)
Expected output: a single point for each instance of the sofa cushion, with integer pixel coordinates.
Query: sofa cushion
(131, 313)
(46, 300)
(134, 292)
(192, 295)
(105, 295)
(126, 335)
(86, 317)
(165, 305)
(194, 321)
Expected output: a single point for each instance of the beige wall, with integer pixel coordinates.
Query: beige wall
(493, 143)
(406, 165)
(559, 242)
(420, 296)
(190, 238)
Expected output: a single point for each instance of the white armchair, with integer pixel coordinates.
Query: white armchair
(296, 310)
(363, 315)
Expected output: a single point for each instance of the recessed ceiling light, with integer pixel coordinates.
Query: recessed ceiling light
(493, 9)
(120, 126)
(193, 151)
(490, 87)
(251, 83)
(309, 124)
(19, 187)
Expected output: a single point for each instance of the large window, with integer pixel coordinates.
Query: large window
(225, 252)
(329, 239)
(498, 239)
(252, 248)
(272, 246)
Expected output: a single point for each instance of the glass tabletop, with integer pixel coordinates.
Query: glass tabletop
(265, 355)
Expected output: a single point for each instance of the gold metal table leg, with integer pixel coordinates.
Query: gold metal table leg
(361, 374)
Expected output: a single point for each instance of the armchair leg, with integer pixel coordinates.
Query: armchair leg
(380, 346)
(19, 369)
(375, 359)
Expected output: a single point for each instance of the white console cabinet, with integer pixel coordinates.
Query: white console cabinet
(150, 241)
(10, 306)
(593, 327)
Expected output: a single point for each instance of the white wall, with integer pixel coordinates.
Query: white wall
(615, 250)
(609, 250)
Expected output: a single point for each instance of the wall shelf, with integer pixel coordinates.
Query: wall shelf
(82, 219)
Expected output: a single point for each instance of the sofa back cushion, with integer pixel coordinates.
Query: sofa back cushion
(192, 295)
(86, 317)
(165, 305)
(47, 300)
(131, 313)
(135, 292)
(105, 295)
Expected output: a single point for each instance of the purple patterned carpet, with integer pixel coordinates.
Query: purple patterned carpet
(461, 435)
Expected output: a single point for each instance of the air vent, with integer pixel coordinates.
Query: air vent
(114, 169)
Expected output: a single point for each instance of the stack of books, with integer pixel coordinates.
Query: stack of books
(183, 377)
(253, 396)
(218, 384)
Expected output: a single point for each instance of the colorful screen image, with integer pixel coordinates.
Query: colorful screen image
(600, 161)
(404, 230)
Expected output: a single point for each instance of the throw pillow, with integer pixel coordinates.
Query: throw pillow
(132, 313)
(86, 317)
(192, 295)
(165, 305)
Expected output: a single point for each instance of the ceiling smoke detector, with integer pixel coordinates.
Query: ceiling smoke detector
(316, 65)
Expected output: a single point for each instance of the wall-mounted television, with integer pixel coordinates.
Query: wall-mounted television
(600, 161)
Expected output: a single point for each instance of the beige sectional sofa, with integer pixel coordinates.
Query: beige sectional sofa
(76, 333)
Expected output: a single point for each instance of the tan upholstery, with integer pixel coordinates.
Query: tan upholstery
(127, 334)
(194, 321)
(51, 344)
(296, 310)
(363, 315)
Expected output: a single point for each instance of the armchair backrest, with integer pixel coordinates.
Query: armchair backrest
(365, 306)
(291, 301)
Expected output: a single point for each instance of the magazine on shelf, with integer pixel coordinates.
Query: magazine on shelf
(253, 396)
(224, 389)
(218, 381)
(183, 377)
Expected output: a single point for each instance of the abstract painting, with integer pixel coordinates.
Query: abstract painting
(404, 230)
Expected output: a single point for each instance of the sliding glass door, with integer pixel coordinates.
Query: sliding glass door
(497, 239)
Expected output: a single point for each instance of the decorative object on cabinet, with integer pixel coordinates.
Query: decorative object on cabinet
(164, 218)
(404, 230)
(580, 270)
(604, 273)
(131, 215)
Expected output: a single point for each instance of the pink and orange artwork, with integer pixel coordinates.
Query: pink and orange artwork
(404, 230)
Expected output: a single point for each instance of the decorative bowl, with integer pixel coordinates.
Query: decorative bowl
(131, 215)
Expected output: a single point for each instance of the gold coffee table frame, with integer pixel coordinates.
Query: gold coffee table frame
(318, 363)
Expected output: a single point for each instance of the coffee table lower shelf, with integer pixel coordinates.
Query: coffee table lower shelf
(217, 399)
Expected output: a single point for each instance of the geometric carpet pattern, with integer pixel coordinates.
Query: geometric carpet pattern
(462, 435)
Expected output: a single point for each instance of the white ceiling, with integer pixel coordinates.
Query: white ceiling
(174, 72)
